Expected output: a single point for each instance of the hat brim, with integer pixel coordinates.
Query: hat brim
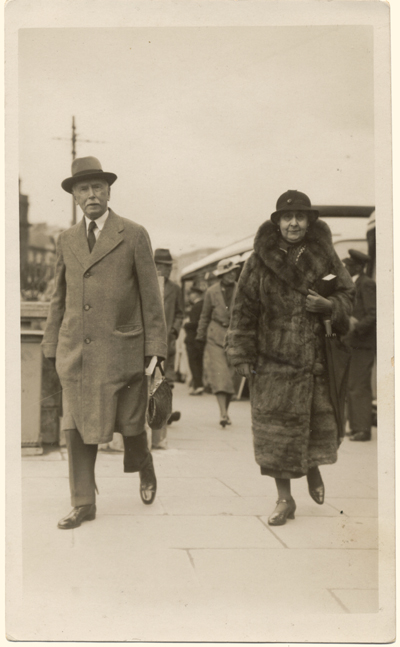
(277, 214)
(220, 272)
(70, 181)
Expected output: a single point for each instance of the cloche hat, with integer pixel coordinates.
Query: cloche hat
(293, 201)
(224, 266)
(85, 168)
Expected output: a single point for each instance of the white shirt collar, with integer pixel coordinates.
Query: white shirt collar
(355, 277)
(99, 221)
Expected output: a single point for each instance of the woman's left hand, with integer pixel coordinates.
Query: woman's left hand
(316, 303)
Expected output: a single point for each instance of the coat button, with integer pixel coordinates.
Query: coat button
(87, 274)
(87, 307)
(87, 340)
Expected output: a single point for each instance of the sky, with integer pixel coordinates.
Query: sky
(205, 127)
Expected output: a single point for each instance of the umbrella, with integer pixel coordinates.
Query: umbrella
(338, 360)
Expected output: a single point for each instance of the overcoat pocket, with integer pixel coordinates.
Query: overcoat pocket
(132, 328)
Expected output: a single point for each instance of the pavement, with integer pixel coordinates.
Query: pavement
(201, 563)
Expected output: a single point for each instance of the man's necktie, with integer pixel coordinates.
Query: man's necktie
(91, 237)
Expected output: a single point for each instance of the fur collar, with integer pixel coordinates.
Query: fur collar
(313, 264)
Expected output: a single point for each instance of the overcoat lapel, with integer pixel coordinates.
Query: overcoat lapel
(110, 237)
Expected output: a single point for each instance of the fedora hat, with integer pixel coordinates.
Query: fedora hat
(293, 201)
(224, 266)
(86, 168)
(163, 256)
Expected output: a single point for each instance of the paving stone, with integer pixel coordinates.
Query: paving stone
(356, 507)
(328, 532)
(318, 568)
(177, 532)
(358, 600)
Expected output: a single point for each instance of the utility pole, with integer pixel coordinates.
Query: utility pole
(74, 139)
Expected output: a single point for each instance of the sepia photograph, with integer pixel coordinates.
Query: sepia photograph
(199, 286)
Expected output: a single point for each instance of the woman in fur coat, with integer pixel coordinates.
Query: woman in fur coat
(276, 339)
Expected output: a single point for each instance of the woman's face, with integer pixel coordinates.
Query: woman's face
(293, 226)
(229, 277)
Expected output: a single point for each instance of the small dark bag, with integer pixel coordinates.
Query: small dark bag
(160, 401)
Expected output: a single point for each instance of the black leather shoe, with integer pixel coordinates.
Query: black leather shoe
(284, 510)
(174, 417)
(317, 493)
(77, 515)
(316, 486)
(148, 481)
(361, 436)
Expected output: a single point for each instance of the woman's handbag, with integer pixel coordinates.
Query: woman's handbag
(160, 400)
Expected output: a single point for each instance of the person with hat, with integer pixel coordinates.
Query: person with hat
(173, 315)
(276, 339)
(193, 349)
(211, 331)
(362, 341)
(105, 324)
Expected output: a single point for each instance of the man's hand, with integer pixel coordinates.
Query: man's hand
(243, 369)
(316, 303)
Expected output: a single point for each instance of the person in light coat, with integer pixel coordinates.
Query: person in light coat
(211, 331)
(105, 323)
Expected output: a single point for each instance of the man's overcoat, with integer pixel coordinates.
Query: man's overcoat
(173, 317)
(293, 422)
(105, 315)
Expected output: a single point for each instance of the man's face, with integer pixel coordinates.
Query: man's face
(164, 270)
(92, 197)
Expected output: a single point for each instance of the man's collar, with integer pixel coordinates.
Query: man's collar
(99, 221)
(355, 277)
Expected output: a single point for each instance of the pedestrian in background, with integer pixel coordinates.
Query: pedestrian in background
(276, 340)
(173, 314)
(195, 350)
(105, 323)
(362, 340)
(213, 325)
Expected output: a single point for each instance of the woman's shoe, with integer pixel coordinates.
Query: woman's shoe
(223, 422)
(228, 420)
(285, 509)
(317, 492)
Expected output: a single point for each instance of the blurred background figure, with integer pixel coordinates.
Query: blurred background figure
(213, 325)
(194, 349)
(362, 340)
(173, 314)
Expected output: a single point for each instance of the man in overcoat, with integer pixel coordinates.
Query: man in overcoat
(173, 314)
(105, 323)
(362, 340)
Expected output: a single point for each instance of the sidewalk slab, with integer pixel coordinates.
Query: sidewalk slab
(325, 532)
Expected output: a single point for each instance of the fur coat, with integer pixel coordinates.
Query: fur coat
(292, 418)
